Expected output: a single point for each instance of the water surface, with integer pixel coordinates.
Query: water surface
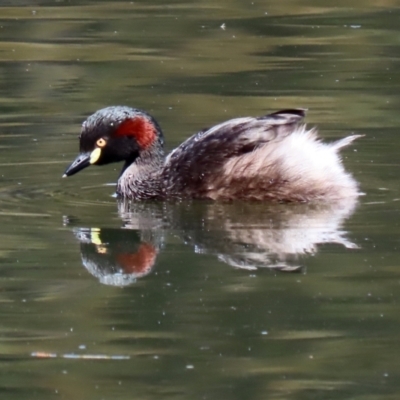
(106, 300)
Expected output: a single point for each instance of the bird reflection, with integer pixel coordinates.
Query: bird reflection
(116, 257)
(243, 235)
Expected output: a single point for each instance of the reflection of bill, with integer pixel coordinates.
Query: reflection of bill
(243, 235)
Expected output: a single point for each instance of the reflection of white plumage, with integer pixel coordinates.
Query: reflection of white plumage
(293, 232)
(247, 235)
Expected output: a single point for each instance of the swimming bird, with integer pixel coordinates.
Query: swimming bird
(272, 158)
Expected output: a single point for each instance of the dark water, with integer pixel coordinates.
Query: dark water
(101, 300)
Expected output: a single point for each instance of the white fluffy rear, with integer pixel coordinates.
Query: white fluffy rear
(298, 167)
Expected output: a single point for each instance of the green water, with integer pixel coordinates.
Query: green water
(104, 300)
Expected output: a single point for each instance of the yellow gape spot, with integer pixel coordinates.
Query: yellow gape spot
(95, 236)
(95, 155)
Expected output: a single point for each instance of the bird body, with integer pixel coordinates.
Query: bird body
(271, 158)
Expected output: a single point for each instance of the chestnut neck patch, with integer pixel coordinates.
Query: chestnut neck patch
(140, 128)
(140, 262)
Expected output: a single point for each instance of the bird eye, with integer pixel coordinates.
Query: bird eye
(101, 142)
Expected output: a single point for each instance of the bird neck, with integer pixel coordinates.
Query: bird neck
(141, 178)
